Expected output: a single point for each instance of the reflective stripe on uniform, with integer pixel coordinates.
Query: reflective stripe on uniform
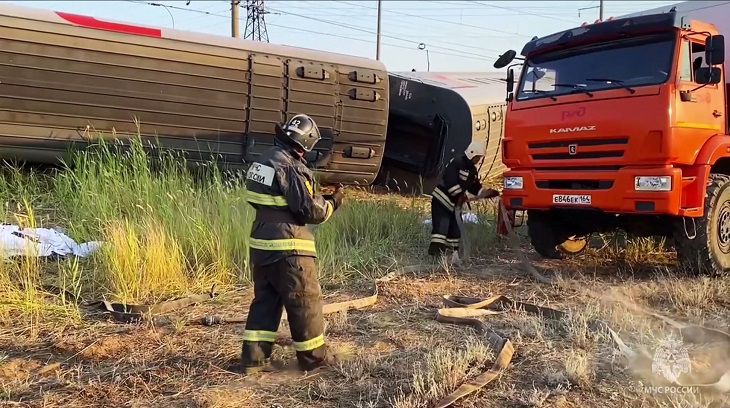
(438, 238)
(463, 174)
(259, 335)
(282, 244)
(442, 198)
(455, 190)
(310, 190)
(265, 199)
(309, 344)
(330, 210)
(453, 242)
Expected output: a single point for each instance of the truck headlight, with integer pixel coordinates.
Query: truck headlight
(513, 183)
(653, 183)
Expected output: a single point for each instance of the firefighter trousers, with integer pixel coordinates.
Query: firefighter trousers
(289, 283)
(445, 232)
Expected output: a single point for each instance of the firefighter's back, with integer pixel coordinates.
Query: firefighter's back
(276, 232)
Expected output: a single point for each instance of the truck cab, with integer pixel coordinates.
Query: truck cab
(621, 124)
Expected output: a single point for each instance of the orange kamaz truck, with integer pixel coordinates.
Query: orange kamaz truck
(622, 124)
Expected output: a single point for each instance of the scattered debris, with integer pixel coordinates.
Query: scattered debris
(124, 313)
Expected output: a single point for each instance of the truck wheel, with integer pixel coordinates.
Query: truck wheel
(574, 245)
(543, 235)
(709, 251)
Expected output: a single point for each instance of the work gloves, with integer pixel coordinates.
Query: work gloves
(336, 198)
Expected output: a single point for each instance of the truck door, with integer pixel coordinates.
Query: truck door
(700, 110)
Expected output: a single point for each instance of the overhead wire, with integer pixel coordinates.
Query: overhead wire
(356, 28)
(401, 37)
(458, 53)
(441, 21)
(522, 11)
(152, 3)
(371, 42)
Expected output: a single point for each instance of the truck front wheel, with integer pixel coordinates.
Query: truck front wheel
(574, 245)
(549, 238)
(703, 244)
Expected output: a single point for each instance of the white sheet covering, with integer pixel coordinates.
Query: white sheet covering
(41, 242)
(468, 217)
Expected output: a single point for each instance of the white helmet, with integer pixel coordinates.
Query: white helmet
(476, 148)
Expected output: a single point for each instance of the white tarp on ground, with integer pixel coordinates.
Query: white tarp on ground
(468, 217)
(41, 242)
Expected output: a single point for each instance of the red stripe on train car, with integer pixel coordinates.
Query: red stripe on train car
(91, 22)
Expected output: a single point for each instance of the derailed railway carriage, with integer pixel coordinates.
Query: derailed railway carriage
(433, 117)
(65, 78)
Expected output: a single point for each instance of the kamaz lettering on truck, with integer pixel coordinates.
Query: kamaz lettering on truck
(622, 124)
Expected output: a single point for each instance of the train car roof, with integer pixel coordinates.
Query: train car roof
(29, 13)
(477, 88)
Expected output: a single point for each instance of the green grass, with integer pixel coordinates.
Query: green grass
(169, 231)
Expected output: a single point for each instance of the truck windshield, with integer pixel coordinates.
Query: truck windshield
(625, 63)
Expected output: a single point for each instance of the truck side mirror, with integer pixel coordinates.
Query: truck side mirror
(715, 50)
(708, 75)
(505, 59)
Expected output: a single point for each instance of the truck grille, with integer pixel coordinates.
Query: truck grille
(578, 149)
(575, 184)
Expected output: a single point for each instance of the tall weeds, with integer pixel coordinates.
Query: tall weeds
(168, 231)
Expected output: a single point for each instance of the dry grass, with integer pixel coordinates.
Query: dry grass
(394, 355)
(142, 267)
(172, 235)
(577, 369)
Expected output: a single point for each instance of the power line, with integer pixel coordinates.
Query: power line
(474, 57)
(371, 42)
(296, 6)
(149, 3)
(399, 38)
(522, 11)
(437, 14)
(442, 21)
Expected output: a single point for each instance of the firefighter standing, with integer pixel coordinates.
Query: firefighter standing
(460, 182)
(282, 249)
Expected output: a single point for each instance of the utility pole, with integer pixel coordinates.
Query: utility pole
(600, 10)
(599, 7)
(234, 19)
(422, 47)
(377, 47)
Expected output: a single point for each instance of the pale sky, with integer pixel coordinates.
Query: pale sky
(460, 35)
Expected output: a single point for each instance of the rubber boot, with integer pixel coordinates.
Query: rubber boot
(330, 360)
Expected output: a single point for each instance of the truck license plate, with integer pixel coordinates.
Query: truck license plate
(572, 199)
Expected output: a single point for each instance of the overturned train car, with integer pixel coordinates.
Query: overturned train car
(65, 79)
(433, 118)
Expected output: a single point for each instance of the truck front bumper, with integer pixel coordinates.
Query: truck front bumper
(607, 191)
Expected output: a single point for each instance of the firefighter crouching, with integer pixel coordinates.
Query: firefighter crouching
(459, 183)
(282, 249)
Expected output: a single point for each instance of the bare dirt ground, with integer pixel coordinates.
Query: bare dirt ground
(394, 353)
